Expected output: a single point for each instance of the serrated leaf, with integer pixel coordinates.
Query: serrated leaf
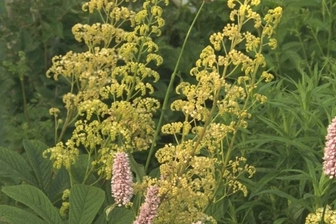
(16, 215)
(59, 183)
(121, 216)
(15, 166)
(85, 202)
(40, 165)
(35, 199)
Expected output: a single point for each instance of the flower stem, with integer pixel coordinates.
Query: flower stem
(325, 207)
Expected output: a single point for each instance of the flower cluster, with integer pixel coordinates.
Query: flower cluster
(199, 166)
(329, 164)
(148, 210)
(110, 83)
(121, 182)
(315, 218)
(231, 175)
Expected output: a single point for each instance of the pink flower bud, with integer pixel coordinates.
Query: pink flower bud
(121, 182)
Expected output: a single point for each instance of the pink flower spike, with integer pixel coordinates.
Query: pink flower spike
(121, 182)
(148, 209)
(329, 164)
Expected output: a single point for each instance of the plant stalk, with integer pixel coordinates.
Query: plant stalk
(169, 89)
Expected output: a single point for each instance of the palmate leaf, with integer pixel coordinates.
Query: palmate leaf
(85, 202)
(41, 166)
(35, 199)
(13, 165)
(14, 215)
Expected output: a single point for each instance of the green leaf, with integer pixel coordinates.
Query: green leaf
(262, 183)
(59, 183)
(291, 46)
(16, 215)
(137, 168)
(35, 199)
(294, 58)
(216, 210)
(121, 216)
(280, 221)
(13, 165)
(42, 167)
(79, 170)
(283, 195)
(101, 219)
(85, 202)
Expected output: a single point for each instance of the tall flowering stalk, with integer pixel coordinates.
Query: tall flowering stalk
(121, 182)
(148, 211)
(109, 101)
(201, 168)
(325, 215)
(329, 164)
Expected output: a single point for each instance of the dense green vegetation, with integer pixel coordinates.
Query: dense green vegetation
(284, 138)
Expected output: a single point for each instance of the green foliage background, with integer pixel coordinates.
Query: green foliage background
(285, 138)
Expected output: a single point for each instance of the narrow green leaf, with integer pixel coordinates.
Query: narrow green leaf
(280, 221)
(216, 210)
(293, 57)
(262, 182)
(291, 46)
(14, 165)
(16, 215)
(85, 202)
(42, 167)
(283, 195)
(35, 199)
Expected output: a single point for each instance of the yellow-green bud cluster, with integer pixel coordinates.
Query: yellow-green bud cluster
(315, 218)
(109, 84)
(199, 166)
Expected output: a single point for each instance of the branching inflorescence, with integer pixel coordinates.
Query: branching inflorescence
(115, 68)
(199, 170)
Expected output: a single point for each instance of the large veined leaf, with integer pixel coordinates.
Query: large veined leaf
(59, 183)
(41, 166)
(14, 215)
(121, 216)
(78, 170)
(15, 166)
(35, 199)
(85, 202)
